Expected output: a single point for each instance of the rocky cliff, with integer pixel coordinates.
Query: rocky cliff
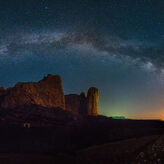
(72, 102)
(92, 101)
(47, 93)
(76, 103)
(82, 104)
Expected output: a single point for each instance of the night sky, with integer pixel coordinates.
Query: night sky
(114, 45)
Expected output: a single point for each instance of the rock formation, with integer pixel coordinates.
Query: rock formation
(72, 103)
(92, 101)
(82, 104)
(2, 90)
(76, 103)
(47, 93)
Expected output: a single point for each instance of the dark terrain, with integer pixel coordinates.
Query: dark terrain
(57, 136)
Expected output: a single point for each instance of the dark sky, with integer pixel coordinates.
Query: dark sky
(115, 45)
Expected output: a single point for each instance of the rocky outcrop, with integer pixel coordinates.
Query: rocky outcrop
(47, 93)
(82, 104)
(2, 90)
(92, 101)
(72, 103)
(76, 103)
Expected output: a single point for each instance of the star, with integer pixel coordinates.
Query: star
(46, 7)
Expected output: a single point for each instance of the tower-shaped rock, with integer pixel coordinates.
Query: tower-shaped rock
(92, 101)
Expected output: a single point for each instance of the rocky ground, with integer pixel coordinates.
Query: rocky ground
(152, 153)
(148, 150)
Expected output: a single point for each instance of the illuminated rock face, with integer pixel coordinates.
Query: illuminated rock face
(92, 101)
(47, 93)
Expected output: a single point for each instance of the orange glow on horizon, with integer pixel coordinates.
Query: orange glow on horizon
(154, 116)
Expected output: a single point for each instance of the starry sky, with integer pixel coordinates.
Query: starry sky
(114, 45)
